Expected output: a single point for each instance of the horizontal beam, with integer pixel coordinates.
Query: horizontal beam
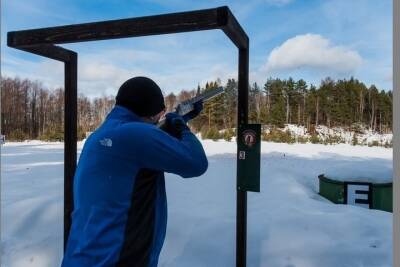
(207, 19)
(234, 31)
(51, 51)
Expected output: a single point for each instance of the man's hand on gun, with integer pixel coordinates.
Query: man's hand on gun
(197, 108)
(175, 124)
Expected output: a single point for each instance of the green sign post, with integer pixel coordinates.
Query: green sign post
(249, 150)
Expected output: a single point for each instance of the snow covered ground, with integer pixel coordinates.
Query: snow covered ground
(289, 224)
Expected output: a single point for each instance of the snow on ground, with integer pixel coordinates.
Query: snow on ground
(289, 224)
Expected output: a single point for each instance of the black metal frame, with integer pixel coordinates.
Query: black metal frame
(44, 42)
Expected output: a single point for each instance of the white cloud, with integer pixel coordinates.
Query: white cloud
(102, 72)
(97, 78)
(312, 51)
(49, 72)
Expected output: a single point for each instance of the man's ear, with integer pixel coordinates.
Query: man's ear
(148, 119)
(154, 119)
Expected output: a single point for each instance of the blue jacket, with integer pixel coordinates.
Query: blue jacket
(120, 206)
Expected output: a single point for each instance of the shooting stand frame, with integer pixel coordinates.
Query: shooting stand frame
(44, 42)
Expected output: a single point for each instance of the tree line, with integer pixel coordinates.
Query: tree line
(349, 104)
(31, 111)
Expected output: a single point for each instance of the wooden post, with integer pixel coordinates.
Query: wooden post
(241, 204)
(70, 139)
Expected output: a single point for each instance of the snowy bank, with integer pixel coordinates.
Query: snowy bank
(340, 135)
(289, 224)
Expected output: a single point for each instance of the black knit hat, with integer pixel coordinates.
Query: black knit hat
(142, 96)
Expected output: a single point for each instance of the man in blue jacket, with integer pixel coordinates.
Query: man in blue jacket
(120, 206)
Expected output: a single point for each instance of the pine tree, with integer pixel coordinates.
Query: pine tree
(230, 102)
(288, 92)
(254, 103)
(300, 100)
(277, 114)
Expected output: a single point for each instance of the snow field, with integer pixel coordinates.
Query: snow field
(289, 224)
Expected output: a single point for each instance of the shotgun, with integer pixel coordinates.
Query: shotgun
(185, 107)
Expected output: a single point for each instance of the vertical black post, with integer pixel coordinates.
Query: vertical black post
(241, 205)
(70, 139)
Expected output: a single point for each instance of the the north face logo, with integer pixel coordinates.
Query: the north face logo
(106, 142)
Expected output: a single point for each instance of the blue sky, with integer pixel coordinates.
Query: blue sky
(306, 39)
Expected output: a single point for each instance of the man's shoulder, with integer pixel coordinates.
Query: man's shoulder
(137, 129)
(136, 134)
(125, 137)
(121, 128)
(121, 138)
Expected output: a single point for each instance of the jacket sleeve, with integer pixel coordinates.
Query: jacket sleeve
(158, 150)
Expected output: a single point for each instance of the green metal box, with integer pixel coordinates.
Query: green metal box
(381, 194)
(331, 189)
(382, 197)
